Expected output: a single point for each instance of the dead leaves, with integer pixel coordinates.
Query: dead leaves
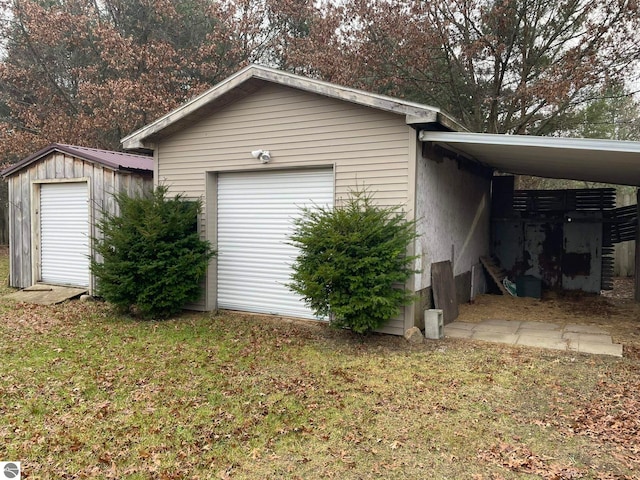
(612, 418)
(519, 458)
(93, 395)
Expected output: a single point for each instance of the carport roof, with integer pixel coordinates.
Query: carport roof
(594, 160)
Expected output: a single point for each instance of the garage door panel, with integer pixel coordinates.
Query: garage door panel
(255, 219)
(64, 233)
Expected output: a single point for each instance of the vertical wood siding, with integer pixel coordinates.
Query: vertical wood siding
(4, 213)
(103, 182)
(367, 148)
(625, 252)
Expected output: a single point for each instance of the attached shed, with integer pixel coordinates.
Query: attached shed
(56, 197)
(264, 143)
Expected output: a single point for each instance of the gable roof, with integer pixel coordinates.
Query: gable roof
(114, 160)
(253, 77)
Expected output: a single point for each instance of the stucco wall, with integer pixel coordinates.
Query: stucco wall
(453, 214)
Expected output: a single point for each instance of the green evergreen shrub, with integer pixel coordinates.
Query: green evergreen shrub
(352, 262)
(153, 259)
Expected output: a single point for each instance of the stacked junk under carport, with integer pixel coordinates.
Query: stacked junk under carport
(555, 239)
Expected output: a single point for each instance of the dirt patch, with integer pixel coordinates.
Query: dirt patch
(614, 311)
(623, 289)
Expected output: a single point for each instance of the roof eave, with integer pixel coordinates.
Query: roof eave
(594, 160)
(415, 113)
(57, 147)
(435, 118)
(34, 157)
(531, 140)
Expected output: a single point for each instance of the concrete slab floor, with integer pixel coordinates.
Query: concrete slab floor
(540, 326)
(511, 329)
(543, 342)
(588, 337)
(498, 337)
(42, 294)
(578, 338)
(585, 329)
(614, 349)
(539, 333)
(453, 332)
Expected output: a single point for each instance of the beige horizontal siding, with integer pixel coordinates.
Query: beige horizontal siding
(334, 133)
(385, 184)
(366, 147)
(377, 146)
(374, 167)
(299, 129)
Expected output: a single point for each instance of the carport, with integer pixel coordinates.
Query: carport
(595, 160)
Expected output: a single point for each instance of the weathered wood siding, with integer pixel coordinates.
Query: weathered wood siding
(366, 148)
(103, 182)
(625, 252)
(4, 213)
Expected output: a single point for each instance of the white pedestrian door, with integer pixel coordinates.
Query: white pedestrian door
(255, 214)
(64, 233)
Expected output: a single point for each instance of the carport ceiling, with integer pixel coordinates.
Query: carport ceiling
(594, 160)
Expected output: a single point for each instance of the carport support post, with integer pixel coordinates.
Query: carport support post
(637, 266)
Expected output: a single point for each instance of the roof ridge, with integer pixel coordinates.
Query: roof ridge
(415, 114)
(102, 150)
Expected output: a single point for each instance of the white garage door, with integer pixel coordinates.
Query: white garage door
(255, 212)
(64, 233)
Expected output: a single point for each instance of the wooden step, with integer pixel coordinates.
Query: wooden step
(495, 272)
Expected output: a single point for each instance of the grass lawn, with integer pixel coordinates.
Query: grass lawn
(85, 393)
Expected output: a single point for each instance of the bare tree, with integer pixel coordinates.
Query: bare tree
(499, 66)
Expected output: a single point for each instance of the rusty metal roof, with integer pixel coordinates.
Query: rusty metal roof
(115, 160)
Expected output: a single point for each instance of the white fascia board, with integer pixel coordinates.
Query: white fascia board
(594, 160)
(412, 111)
(136, 139)
(531, 141)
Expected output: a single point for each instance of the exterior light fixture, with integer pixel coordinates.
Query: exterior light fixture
(263, 155)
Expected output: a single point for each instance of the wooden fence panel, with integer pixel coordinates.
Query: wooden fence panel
(624, 253)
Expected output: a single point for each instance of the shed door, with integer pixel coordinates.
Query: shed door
(255, 213)
(582, 257)
(64, 233)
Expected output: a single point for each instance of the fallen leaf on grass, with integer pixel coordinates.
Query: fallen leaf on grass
(519, 458)
(395, 445)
